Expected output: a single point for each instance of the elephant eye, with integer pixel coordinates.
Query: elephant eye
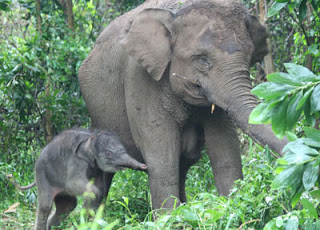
(203, 62)
(108, 154)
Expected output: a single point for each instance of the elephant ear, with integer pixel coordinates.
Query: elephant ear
(84, 152)
(259, 37)
(148, 40)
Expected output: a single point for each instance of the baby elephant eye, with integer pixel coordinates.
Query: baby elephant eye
(203, 62)
(108, 154)
(203, 59)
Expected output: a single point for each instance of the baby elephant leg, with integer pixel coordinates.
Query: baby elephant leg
(93, 197)
(43, 211)
(64, 205)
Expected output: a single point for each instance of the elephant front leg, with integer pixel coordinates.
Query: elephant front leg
(223, 147)
(159, 143)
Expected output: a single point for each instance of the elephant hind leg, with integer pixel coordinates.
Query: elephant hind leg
(64, 205)
(185, 164)
(193, 141)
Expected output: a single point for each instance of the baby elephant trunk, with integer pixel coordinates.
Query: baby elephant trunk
(126, 161)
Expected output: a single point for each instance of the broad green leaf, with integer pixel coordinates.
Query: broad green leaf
(279, 221)
(311, 142)
(310, 176)
(271, 225)
(315, 99)
(292, 223)
(305, 97)
(310, 120)
(279, 119)
(288, 177)
(188, 215)
(302, 73)
(315, 194)
(260, 114)
(299, 148)
(295, 198)
(308, 206)
(275, 8)
(293, 114)
(291, 136)
(283, 78)
(295, 158)
(270, 90)
(303, 10)
(312, 133)
(317, 161)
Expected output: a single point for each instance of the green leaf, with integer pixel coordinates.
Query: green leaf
(188, 215)
(315, 99)
(310, 120)
(301, 73)
(283, 78)
(288, 177)
(275, 8)
(293, 114)
(270, 90)
(308, 206)
(271, 225)
(298, 148)
(279, 222)
(292, 223)
(310, 176)
(311, 142)
(312, 133)
(260, 114)
(296, 196)
(279, 119)
(315, 194)
(303, 10)
(305, 98)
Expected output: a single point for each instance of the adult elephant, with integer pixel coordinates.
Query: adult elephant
(154, 75)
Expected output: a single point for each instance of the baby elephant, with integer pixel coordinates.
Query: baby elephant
(66, 166)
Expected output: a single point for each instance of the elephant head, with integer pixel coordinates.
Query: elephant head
(207, 49)
(107, 151)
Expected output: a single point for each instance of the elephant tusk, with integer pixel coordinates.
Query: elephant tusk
(186, 79)
(212, 108)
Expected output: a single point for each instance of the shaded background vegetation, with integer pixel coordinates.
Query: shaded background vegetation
(43, 44)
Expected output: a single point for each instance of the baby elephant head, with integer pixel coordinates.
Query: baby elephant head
(106, 150)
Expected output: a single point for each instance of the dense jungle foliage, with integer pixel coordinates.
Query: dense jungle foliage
(43, 44)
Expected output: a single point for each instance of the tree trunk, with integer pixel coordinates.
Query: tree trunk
(70, 17)
(269, 67)
(38, 15)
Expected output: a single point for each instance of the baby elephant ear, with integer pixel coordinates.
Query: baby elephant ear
(148, 40)
(84, 152)
(258, 34)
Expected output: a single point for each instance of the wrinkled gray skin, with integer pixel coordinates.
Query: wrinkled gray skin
(153, 75)
(66, 166)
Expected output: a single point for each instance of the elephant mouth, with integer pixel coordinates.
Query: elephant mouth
(189, 90)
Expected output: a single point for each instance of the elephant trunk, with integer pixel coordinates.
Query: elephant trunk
(127, 161)
(239, 102)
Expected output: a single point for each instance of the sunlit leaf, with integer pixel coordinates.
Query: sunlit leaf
(299, 148)
(308, 206)
(315, 99)
(312, 133)
(283, 78)
(260, 114)
(301, 73)
(310, 175)
(288, 177)
(292, 223)
(270, 90)
(275, 8)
